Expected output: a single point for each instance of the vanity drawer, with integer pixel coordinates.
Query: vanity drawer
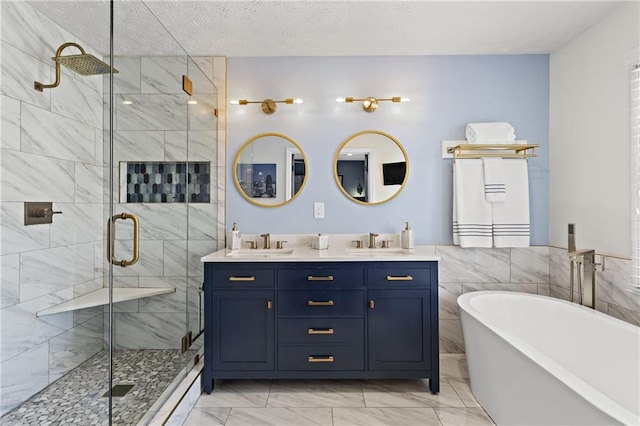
(320, 330)
(239, 277)
(320, 303)
(321, 277)
(321, 357)
(389, 277)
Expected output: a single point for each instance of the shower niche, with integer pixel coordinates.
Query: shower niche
(165, 182)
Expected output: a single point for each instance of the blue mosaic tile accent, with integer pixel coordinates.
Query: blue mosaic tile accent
(168, 182)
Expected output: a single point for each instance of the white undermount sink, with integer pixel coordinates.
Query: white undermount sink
(376, 252)
(260, 252)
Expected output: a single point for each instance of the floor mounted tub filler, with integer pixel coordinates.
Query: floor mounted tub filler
(536, 360)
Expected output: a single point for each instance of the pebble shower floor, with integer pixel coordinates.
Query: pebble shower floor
(77, 397)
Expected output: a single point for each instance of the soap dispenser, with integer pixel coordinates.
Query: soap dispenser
(234, 240)
(406, 237)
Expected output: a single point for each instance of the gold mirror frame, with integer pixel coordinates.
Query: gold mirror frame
(247, 144)
(344, 144)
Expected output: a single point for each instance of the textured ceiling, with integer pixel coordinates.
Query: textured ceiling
(327, 28)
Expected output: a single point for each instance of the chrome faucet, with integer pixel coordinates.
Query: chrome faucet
(266, 241)
(585, 260)
(372, 240)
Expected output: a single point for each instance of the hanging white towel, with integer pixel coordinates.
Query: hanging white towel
(494, 187)
(511, 227)
(472, 212)
(490, 133)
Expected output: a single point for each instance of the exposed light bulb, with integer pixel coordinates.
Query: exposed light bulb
(340, 100)
(192, 102)
(127, 102)
(405, 100)
(235, 102)
(298, 101)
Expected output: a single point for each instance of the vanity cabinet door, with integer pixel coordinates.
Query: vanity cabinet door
(398, 330)
(243, 330)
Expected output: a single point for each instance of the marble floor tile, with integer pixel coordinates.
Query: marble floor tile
(207, 416)
(280, 417)
(463, 417)
(446, 398)
(453, 366)
(233, 399)
(341, 386)
(315, 399)
(384, 416)
(463, 389)
(392, 385)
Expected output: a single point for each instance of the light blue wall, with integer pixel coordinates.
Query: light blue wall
(446, 92)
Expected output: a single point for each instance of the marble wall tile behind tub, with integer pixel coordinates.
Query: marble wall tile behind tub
(23, 376)
(127, 80)
(75, 100)
(530, 265)
(88, 181)
(473, 264)
(447, 300)
(53, 135)
(175, 258)
(52, 182)
(14, 236)
(451, 339)
(10, 280)
(50, 270)
(172, 302)
(162, 74)
(612, 284)
(559, 267)
(19, 70)
(10, 130)
(78, 223)
(26, 332)
(137, 146)
(72, 348)
(524, 288)
(152, 112)
(628, 315)
(149, 330)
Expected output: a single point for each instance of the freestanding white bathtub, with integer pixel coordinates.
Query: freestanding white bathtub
(536, 360)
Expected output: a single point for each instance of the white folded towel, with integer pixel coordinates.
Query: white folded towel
(472, 212)
(494, 187)
(511, 226)
(490, 133)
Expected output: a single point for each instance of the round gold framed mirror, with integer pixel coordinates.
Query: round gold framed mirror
(371, 167)
(270, 170)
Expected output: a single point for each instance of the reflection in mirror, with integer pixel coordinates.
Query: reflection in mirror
(270, 170)
(371, 167)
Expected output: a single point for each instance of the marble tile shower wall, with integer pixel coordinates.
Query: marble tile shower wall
(51, 150)
(463, 270)
(612, 284)
(157, 126)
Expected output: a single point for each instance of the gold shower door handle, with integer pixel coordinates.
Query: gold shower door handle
(110, 241)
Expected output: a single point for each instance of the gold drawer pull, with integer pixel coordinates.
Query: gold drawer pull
(320, 359)
(269, 304)
(320, 331)
(251, 278)
(405, 278)
(372, 304)
(314, 303)
(327, 278)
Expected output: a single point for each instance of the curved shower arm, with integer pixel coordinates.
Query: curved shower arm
(39, 86)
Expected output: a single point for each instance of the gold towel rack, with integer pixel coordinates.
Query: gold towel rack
(492, 150)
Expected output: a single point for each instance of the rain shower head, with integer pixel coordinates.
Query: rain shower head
(83, 64)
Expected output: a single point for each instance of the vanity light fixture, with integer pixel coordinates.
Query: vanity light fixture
(370, 103)
(268, 105)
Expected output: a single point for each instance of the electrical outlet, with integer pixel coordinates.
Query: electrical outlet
(318, 210)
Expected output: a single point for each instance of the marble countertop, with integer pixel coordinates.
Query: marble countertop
(332, 254)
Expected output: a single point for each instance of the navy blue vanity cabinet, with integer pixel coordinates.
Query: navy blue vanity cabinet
(324, 320)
